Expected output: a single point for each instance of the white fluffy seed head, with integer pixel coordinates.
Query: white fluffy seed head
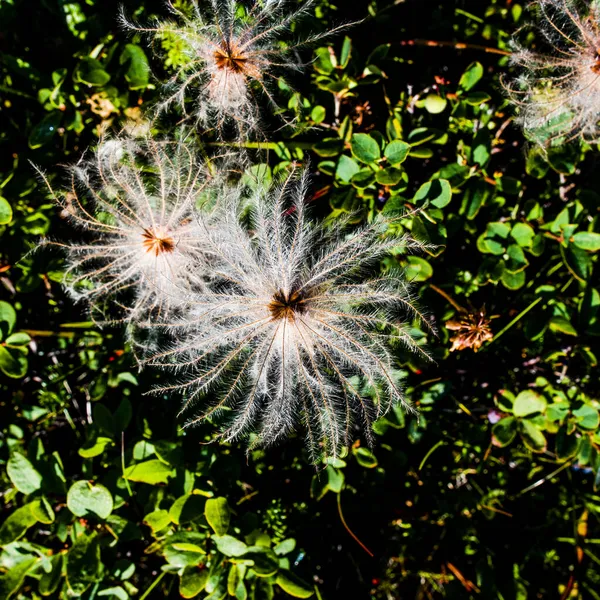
(138, 205)
(234, 53)
(293, 326)
(558, 88)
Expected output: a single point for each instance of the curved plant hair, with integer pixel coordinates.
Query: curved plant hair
(293, 326)
(233, 53)
(136, 204)
(558, 88)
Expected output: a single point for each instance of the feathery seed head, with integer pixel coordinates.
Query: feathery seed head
(136, 202)
(293, 326)
(558, 90)
(232, 50)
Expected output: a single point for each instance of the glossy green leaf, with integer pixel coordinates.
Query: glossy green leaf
(22, 474)
(528, 403)
(218, 515)
(152, 472)
(365, 148)
(293, 585)
(86, 499)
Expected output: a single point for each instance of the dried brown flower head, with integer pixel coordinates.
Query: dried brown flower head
(472, 330)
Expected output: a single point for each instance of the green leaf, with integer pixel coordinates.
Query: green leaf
(11, 581)
(218, 515)
(293, 585)
(230, 546)
(16, 524)
(435, 104)
(437, 192)
(365, 148)
(91, 72)
(587, 240)
(8, 317)
(567, 445)
(49, 582)
(84, 565)
(187, 509)
(505, 431)
(364, 457)
(418, 269)
(523, 234)
(532, 437)
(6, 213)
(285, 547)
(586, 417)
(346, 168)
(95, 447)
(45, 130)
(85, 499)
(470, 77)
(527, 403)
(265, 561)
(562, 325)
(329, 147)
(18, 339)
(22, 474)
(389, 177)
(152, 472)
(192, 581)
(42, 511)
(157, 520)
(396, 152)
(138, 69)
(13, 362)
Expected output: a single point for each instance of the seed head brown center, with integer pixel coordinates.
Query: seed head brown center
(287, 305)
(157, 242)
(229, 57)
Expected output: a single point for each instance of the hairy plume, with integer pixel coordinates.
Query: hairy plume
(558, 88)
(293, 326)
(234, 52)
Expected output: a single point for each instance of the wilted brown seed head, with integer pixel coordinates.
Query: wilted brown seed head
(473, 329)
(287, 305)
(157, 242)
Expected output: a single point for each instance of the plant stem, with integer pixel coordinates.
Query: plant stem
(152, 586)
(455, 45)
(447, 296)
(353, 535)
(516, 319)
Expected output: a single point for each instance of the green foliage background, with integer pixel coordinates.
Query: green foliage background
(490, 493)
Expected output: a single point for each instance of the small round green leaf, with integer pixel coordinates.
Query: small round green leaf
(365, 148)
(437, 192)
(527, 403)
(396, 152)
(85, 499)
(435, 104)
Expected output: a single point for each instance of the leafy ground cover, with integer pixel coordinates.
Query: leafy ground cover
(489, 492)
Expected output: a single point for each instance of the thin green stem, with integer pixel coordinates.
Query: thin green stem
(154, 584)
(515, 320)
(441, 442)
